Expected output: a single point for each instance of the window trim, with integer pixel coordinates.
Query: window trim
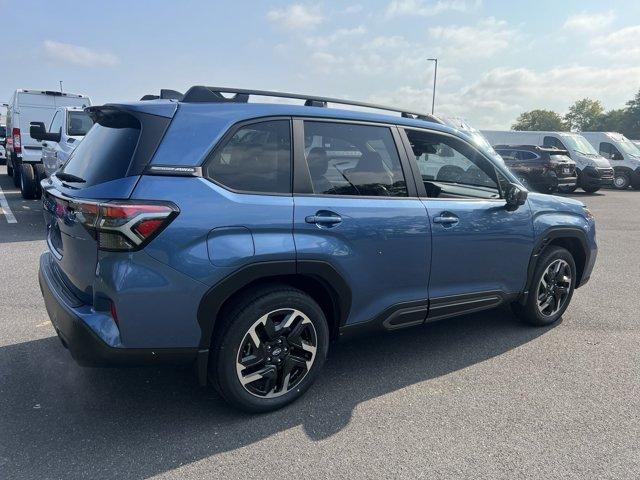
(302, 177)
(422, 191)
(53, 119)
(220, 144)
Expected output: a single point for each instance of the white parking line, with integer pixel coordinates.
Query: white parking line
(4, 208)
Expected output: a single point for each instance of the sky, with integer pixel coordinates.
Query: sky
(496, 58)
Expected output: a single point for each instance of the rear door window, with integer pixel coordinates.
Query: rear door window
(256, 159)
(348, 159)
(106, 151)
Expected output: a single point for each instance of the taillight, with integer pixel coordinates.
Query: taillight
(122, 226)
(17, 141)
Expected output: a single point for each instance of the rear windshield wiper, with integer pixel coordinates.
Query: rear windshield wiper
(68, 177)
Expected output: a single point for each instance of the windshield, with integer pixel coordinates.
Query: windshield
(627, 146)
(79, 124)
(579, 144)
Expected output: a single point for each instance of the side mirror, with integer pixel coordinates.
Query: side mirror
(616, 156)
(515, 196)
(37, 131)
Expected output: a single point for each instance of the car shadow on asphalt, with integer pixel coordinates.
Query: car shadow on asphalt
(135, 423)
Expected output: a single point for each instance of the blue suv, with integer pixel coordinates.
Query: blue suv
(243, 237)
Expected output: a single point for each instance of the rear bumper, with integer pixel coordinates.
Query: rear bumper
(550, 180)
(69, 318)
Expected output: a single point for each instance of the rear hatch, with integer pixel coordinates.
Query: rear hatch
(563, 165)
(85, 202)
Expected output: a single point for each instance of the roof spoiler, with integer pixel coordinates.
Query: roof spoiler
(165, 94)
(202, 94)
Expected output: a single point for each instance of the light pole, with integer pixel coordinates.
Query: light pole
(435, 77)
(60, 86)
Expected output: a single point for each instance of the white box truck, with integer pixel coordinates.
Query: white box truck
(24, 154)
(623, 154)
(594, 171)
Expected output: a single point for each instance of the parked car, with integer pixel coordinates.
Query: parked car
(623, 154)
(3, 141)
(68, 126)
(542, 169)
(24, 153)
(593, 170)
(277, 228)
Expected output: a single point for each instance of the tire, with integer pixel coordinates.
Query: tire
(263, 314)
(40, 175)
(621, 180)
(28, 184)
(591, 189)
(16, 174)
(560, 289)
(9, 170)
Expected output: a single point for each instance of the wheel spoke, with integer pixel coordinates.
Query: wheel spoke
(546, 303)
(289, 319)
(252, 360)
(267, 372)
(270, 329)
(295, 336)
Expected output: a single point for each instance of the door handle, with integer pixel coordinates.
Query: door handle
(324, 218)
(446, 218)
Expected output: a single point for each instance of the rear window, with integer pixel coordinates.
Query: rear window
(106, 151)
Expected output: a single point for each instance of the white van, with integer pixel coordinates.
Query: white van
(594, 171)
(623, 154)
(24, 154)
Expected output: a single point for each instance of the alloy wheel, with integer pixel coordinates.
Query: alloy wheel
(276, 353)
(554, 288)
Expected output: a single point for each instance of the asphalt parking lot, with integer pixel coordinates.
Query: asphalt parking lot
(480, 396)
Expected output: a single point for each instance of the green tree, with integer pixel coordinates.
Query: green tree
(539, 120)
(584, 115)
(611, 121)
(631, 127)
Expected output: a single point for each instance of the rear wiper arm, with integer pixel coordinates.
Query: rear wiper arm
(68, 177)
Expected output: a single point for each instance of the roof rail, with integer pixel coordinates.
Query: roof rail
(202, 94)
(165, 94)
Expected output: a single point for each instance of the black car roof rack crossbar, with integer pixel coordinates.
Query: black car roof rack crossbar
(202, 94)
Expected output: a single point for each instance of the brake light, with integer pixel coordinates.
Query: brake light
(116, 226)
(17, 141)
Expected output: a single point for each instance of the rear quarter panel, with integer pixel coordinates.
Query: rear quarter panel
(211, 221)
